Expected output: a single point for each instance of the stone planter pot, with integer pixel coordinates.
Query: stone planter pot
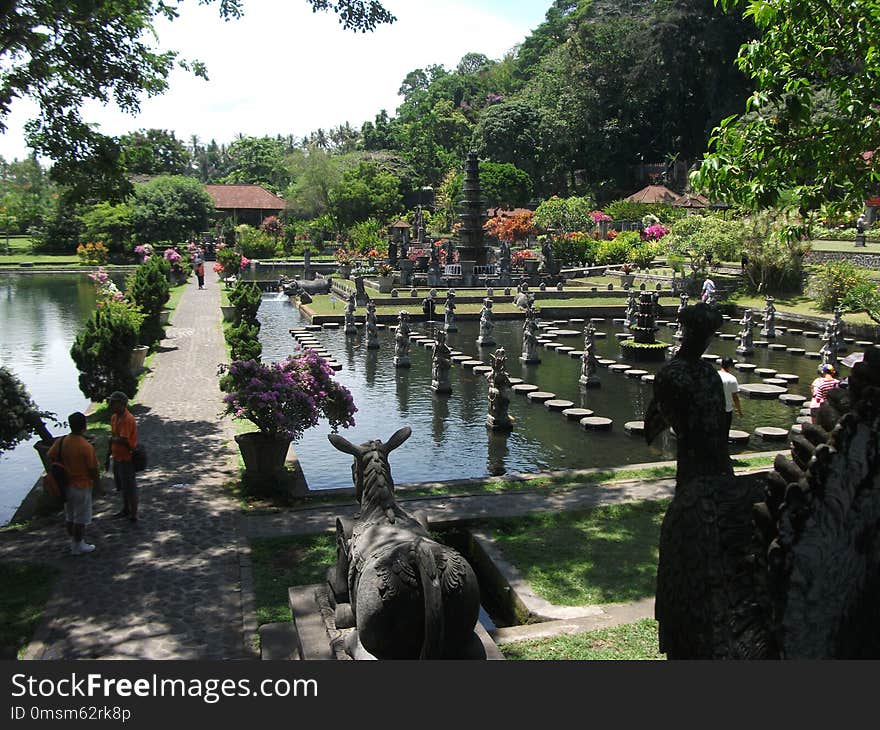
(164, 316)
(138, 357)
(263, 455)
(421, 263)
(627, 280)
(531, 266)
(385, 283)
(228, 313)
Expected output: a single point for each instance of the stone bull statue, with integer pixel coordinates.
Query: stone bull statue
(408, 596)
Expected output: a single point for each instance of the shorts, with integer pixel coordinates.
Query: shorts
(78, 505)
(123, 475)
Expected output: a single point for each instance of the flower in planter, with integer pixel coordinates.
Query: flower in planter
(517, 258)
(343, 257)
(654, 232)
(384, 269)
(286, 398)
(599, 217)
(244, 262)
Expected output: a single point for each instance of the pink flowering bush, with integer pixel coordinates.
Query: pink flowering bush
(107, 291)
(286, 398)
(144, 251)
(654, 232)
(599, 217)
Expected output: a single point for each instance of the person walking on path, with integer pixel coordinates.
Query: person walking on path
(123, 440)
(708, 295)
(731, 391)
(79, 459)
(199, 267)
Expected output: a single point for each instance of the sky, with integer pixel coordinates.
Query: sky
(282, 69)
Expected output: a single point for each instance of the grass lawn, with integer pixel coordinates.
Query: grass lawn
(38, 259)
(625, 642)
(796, 303)
(24, 590)
(281, 562)
(176, 292)
(604, 555)
(849, 246)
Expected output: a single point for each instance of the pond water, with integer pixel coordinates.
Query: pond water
(450, 440)
(40, 315)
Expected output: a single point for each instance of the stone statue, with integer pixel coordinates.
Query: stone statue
(589, 363)
(408, 596)
(530, 337)
(523, 298)
(429, 307)
(549, 261)
(498, 419)
(350, 327)
(683, 302)
(401, 341)
(504, 263)
(441, 364)
(833, 340)
(360, 293)
(629, 319)
(370, 324)
(485, 338)
(392, 254)
(450, 251)
(404, 248)
(744, 570)
(449, 312)
(746, 346)
(768, 331)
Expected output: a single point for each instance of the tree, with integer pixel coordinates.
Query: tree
(110, 223)
(511, 132)
(864, 297)
(19, 416)
(170, 208)
(154, 152)
(566, 215)
(257, 161)
(783, 147)
(364, 192)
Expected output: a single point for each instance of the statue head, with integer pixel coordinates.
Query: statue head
(698, 322)
(372, 456)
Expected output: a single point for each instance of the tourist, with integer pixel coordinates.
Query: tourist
(199, 268)
(731, 391)
(820, 387)
(123, 440)
(79, 459)
(708, 295)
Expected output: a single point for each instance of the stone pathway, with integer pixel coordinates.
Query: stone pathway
(170, 587)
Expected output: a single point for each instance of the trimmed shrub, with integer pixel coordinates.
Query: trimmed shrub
(244, 341)
(616, 251)
(148, 289)
(230, 260)
(19, 416)
(254, 243)
(832, 280)
(246, 299)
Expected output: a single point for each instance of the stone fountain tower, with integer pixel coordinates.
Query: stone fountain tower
(471, 244)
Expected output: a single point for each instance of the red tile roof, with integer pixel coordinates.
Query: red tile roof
(244, 197)
(653, 194)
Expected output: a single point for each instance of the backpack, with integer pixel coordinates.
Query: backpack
(139, 458)
(57, 475)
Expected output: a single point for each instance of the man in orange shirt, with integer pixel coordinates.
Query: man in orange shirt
(78, 456)
(122, 442)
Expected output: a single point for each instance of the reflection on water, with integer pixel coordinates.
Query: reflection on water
(40, 315)
(450, 439)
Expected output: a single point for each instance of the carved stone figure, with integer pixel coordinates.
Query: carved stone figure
(449, 312)
(350, 326)
(498, 419)
(768, 331)
(429, 308)
(370, 325)
(530, 337)
(450, 251)
(408, 596)
(401, 341)
(683, 302)
(833, 340)
(487, 326)
(523, 298)
(360, 293)
(549, 261)
(746, 346)
(589, 362)
(632, 308)
(504, 264)
(392, 254)
(441, 364)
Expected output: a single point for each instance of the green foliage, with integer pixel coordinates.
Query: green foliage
(154, 152)
(368, 235)
(700, 239)
(254, 243)
(643, 254)
(617, 250)
(565, 214)
(244, 340)
(832, 280)
(625, 210)
(19, 415)
(25, 588)
(110, 223)
(170, 208)
(61, 231)
(25, 195)
(258, 161)
(864, 297)
(230, 260)
(102, 351)
(363, 192)
(776, 259)
(147, 288)
(246, 299)
(575, 248)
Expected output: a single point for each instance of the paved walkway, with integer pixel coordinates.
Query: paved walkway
(168, 588)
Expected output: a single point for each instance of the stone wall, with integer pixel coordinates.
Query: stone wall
(860, 257)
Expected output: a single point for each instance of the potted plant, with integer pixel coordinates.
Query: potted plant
(627, 278)
(385, 277)
(344, 262)
(282, 400)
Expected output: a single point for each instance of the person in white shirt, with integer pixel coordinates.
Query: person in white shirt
(731, 390)
(708, 295)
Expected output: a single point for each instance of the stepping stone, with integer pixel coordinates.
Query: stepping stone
(597, 320)
(415, 336)
(335, 366)
(619, 368)
(479, 369)
(380, 326)
(725, 317)
(453, 353)
(558, 404)
(427, 343)
(797, 429)
(745, 367)
(575, 320)
(539, 396)
(469, 364)
(814, 355)
(524, 388)
(781, 329)
(791, 399)
(635, 373)
(804, 419)
(596, 423)
(554, 332)
(737, 437)
(788, 377)
(636, 428)
(711, 357)
(516, 381)
(775, 381)
(600, 335)
(605, 362)
(616, 320)
(576, 414)
(648, 378)
(313, 328)
(623, 335)
(761, 390)
(575, 354)
(553, 345)
(461, 358)
(727, 337)
(568, 333)
(661, 323)
(794, 331)
(331, 325)
(760, 343)
(770, 433)
(777, 346)
(849, 340)
(864, 343)
(812, 334)
(765, 372)
(563, 349)
(795, 350)
(805, 412)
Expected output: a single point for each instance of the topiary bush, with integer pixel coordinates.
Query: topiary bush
(102, 351)
(246, 299)
(832, 280)
(230, 260)
(244, 340)
(147, 288)
(616, 251)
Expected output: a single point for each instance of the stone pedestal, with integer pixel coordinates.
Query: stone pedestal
(406, 272)
(467, 272)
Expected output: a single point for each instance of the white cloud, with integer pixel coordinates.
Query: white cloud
(282, 69)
